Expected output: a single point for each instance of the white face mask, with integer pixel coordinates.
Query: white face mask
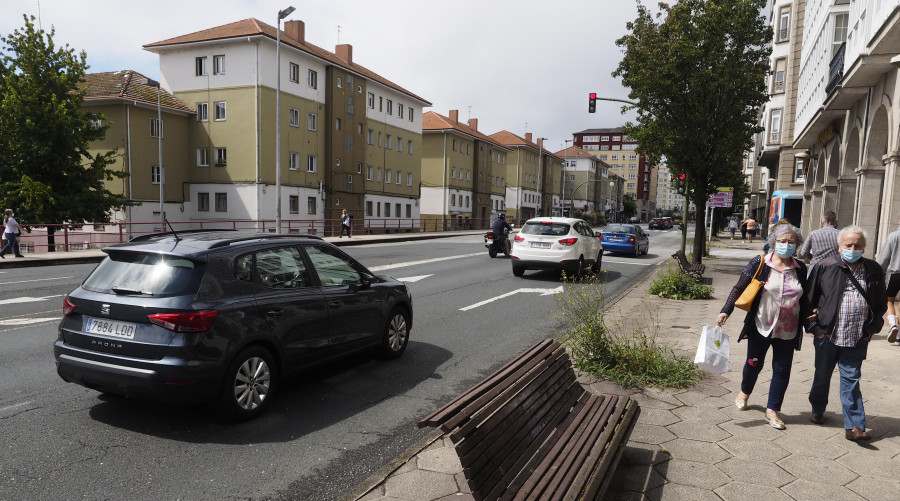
(785, 249)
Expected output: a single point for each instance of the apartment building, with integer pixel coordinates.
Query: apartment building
(527, 176)
(612, 146)
(586, 183)
(463, 173)
(350, 138)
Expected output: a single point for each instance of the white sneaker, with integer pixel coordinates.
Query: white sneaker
(892, 337)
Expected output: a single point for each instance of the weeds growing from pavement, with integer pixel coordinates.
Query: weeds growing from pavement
(674, 284)
(624, 351)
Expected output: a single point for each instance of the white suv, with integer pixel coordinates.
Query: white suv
(558, 243)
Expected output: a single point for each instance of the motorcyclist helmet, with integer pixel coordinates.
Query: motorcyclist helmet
(502, 216)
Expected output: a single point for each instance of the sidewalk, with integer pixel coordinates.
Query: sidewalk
(694, 444)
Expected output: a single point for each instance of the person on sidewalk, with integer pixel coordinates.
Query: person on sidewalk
(732, 227)
(850, 296)
(751, 228)
(744, 230)
(889, 260)
(345, 224)
(11, 232)
(775, 319)
(823, 242)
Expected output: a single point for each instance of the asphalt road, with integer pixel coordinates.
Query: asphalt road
(326, 431)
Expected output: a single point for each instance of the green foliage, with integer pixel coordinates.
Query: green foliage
(594, 219)
(698, 77)
(47, 173)
(626, 354)
(674, 284)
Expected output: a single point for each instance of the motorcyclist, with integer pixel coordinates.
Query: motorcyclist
(500, 229)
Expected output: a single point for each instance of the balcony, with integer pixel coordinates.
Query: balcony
(835, 70)
(774, 137)
(778, 87)
(782, 35)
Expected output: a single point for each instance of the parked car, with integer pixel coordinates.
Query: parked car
(634, 220)
(556, 243)
(657, 223)
(668, 222)
(625, 238)
(221, 317)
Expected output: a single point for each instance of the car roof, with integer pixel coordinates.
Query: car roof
(626, 225)
(199, 242)
(566, 220)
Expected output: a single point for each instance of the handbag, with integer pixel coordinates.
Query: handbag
(746, 300)
(713, 350)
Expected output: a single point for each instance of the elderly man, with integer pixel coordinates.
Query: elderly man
(849, 294)
(823, 242)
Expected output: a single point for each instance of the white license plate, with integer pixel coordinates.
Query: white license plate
(616, 239)
(540, 245)
(112, 328)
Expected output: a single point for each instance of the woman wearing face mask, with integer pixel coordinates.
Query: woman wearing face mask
(775, 319)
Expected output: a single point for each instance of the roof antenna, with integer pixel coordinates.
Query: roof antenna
(177, 238)
(339, 34)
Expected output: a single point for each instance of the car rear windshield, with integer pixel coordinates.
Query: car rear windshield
(546, 228)
(128, 273)
(618, 228)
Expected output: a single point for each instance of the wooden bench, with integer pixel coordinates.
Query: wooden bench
(531, 431)
(694, 270)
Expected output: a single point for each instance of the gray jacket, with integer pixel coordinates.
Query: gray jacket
(889, 254)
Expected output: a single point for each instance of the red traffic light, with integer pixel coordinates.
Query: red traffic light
(592, 95)
(681, 177)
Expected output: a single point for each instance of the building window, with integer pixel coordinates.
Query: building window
(348, 144)
(203, 202)
(200, 66)
(387, 209)
(390, 107)
(388, 175)
(202, 112)
(219, 65)
(369, 209)
(370, 101)
(310, 163)
(399, 177)
(349, 182)
(408, 210)
(295, 161)
(294, 72)
(409, 111)
(784, 23)
(840, 32)
(775, 127)
(388, 142)
(311, 205)
(369, 172)
(219, 111)
(221, 202)
(617, 138)
(409, 179)
(397, 210)
(799, 176)
(778, 76)
(337, 124)
(371, 138)
(221, 157)
(399, 110)
(202, 157)
(295, 117)
(358, 167)
(409, 147)
(154, 174)
(294, 204)
(339, 82)
(156, 128)
(312, 121)
(312, 79)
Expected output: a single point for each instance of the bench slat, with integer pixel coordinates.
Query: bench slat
(610, 447)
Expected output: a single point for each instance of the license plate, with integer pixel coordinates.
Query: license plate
(112, 328)
(540, 245)
(616, 239)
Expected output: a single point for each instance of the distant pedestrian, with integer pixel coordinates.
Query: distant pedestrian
(732, 227)
(751, 228)
(850, 296)
(776, 318)
(823, 242)
(11, 232)
(744, 230)
(889, 260)
(346, 222)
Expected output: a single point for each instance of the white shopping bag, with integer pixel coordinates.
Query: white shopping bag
(712, 351)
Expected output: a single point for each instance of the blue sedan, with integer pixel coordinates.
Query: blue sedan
(625, 238)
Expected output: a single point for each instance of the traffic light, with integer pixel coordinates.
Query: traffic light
(681, 184)
(592, 102)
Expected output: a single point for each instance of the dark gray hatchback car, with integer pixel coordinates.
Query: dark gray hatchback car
(221, 316)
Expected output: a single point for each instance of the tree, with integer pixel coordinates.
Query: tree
(698, 80)
(47, 173)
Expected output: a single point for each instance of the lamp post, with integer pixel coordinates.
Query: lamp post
(159, 133)
(565, 175)
(615, 207)
(540, 174)
(281, 15)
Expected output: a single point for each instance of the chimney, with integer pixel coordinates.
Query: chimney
(540, 143)
(344, 51)
(295, 30)
(528, 137)
(473, 123)
(454, 116)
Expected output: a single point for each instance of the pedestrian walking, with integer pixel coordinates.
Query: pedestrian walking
(744, 230)
(850, 296)
(823, 242)
(11, 231)
(732, 227)
(775, 319)
(889, 260)
(346, 223)
(751, 228)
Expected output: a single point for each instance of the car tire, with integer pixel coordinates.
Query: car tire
(518, 271)
(596, 266)
(492, 251)
(249, 384)
(637, 250)
(396, 334)
(579, 269)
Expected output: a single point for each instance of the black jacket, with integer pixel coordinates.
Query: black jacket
(498, 227)
(826, 291)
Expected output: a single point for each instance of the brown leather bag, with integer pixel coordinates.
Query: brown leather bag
(746, 300)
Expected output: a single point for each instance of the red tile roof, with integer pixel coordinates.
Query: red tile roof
(255, 27)
(130, 86)
(511, 140)
(432, 121)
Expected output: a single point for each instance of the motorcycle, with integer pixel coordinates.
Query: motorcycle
(496, 247)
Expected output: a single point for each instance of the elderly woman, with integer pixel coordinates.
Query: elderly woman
(776, 317)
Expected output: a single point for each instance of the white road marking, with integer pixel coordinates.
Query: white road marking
(35, 280)
(18, 322)
(638, 263)
(413, 279)
(424, 261)
(14, 406)
(543, 292)
(27, 299)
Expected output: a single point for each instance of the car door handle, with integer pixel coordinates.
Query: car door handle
(334, 304)
(274, 313)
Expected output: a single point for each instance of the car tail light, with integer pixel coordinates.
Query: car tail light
(569, 241)
(184, 322)
(490, 237)
(631, 239)
(68, 307)
(600, 237)
(519, 238)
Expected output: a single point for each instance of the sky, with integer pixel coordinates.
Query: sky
(516, 65)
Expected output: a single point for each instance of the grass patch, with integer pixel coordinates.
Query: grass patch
(625, 352)
(674, 284)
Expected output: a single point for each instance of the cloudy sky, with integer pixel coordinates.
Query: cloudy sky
(516, 65)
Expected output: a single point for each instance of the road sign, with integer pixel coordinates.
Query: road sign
(721, 199)
(724, 188)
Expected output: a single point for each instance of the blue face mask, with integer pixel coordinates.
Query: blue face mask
(785, 249)
(851, 256)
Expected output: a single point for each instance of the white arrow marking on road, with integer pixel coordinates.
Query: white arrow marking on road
(35, 280)
(28, 299)
(543, 292)
(413, 279)
(18, 322)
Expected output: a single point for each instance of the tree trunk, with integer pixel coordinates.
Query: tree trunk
(699, 230)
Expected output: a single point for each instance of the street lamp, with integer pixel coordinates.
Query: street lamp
(540, 174)
(615, 199)
(281, 15)
(566, 175)
(159, 133)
